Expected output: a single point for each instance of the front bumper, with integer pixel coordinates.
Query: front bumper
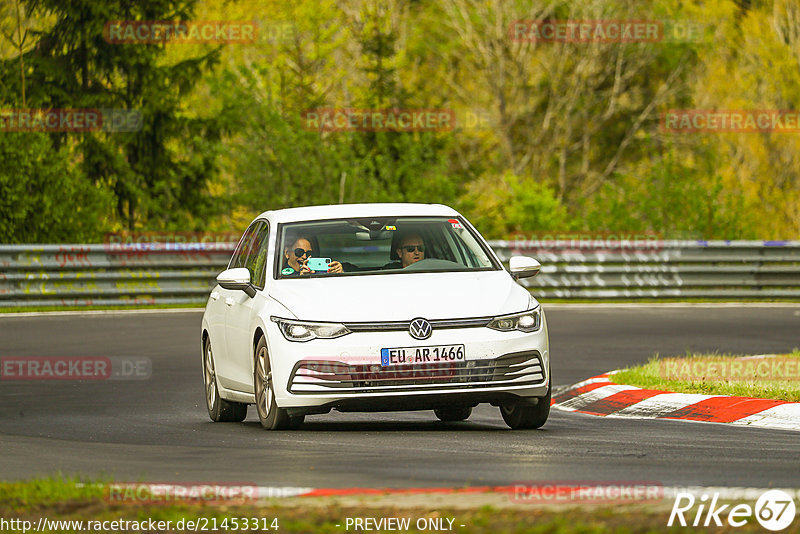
(317, 376)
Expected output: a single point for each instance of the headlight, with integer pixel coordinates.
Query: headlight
(528, 321)
(305, 331)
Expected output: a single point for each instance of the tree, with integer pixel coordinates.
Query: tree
(278, 160)
(43, 197)
(157, 173)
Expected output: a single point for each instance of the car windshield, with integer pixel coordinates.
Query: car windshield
(379, 245)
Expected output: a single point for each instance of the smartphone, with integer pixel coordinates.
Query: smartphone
(318, 264)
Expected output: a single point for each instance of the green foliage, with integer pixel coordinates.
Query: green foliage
(279, 161)
(43, 198)
(571, 138)
(534, 206)
(515, 205)
(157, 175)
(673, 198)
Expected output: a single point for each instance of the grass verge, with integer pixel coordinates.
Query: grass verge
(26, 309)
(57, 499)
(766, 377)
(23, 309)
(669, 300)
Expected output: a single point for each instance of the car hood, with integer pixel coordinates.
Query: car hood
(401, 297)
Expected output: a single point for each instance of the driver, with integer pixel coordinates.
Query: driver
(411, 249)
(296, 257)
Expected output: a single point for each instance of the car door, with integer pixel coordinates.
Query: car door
(220, 302)
(241, 312)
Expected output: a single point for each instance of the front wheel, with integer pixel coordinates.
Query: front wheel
(521, 416)
(219, 410)
(271, 416)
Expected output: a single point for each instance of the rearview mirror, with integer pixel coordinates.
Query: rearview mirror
(238, 278)
(523, 267)
(374, 235)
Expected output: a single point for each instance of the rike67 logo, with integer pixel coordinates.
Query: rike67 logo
(774, 510)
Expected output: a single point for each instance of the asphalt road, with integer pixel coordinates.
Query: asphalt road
(158, 430)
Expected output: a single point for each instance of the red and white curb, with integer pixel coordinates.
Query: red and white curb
(600, 396)
(548, 490)
(553, 489)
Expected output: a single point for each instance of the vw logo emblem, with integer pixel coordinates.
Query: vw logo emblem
(420, 329)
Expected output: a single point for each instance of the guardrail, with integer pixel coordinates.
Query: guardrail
(662, 269)
(103, 275)
(109, 274)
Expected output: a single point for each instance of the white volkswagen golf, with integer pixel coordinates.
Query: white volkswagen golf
(373, 307)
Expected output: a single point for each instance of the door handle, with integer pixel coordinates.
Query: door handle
(229, 301)
(214, 295)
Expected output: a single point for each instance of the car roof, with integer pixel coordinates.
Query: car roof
(340, 211)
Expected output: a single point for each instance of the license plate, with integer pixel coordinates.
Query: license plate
(417, 355)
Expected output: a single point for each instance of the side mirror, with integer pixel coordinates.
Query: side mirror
(523, 267)
(238, 278)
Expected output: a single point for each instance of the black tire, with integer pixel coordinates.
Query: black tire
(523, 416)
(219, 410)
(271, 416)
(453, 413)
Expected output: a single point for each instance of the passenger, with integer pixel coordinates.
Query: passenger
(296, 258)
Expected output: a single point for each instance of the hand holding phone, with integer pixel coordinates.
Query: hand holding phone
(318, 264)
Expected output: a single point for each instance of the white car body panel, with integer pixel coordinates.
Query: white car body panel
(397, 297)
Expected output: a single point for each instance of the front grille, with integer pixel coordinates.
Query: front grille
(313, 376)
(436, 324)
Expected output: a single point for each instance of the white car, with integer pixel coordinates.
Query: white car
(373, 307)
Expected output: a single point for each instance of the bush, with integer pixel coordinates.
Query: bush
(44, 199)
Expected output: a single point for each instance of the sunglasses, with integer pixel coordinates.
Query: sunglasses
(412, 248)
(299, 252)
